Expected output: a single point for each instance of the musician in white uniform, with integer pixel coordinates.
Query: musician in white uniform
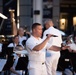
(36, 51)
(21, 35)
(14, 44)
(52, 57)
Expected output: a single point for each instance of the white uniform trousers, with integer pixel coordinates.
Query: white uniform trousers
(51, 64)
(37, 68)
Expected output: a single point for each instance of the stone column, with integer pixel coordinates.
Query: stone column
(56, 12)
(25, 13)
(37, 11)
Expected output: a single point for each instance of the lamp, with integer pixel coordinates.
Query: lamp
(74, 23)
(62, 23)
(3, 16)
(74, 20)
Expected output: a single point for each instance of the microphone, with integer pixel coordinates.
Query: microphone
(52, 35)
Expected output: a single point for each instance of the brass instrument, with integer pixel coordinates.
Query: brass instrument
(70, 38)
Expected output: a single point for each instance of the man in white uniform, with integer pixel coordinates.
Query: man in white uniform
(21, 35)
(52, 57)
(36, 51)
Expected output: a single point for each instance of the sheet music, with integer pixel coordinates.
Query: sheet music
(21, 52)
(0, 47)
(2, 63)
(72, 46)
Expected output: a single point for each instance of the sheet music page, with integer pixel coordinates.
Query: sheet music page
(0, 47)
(2, 63)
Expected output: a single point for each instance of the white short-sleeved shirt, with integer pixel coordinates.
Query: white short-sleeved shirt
(12, 45)
(21, 39)
(35, 55)
(56, 41)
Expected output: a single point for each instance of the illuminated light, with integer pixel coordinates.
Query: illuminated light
(74, 20)
(3, 16)
(62, 23)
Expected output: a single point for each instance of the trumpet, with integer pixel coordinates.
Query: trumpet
(71, 43)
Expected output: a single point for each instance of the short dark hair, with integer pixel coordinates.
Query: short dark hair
(35, 25)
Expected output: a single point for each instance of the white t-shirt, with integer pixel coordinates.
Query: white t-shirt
(21, 39)
(56, 41)
(12, 45)
(35, 55)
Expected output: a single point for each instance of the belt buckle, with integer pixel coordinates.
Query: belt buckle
(42, 63)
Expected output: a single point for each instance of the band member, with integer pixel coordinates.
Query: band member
(22, 38)
(15, 44)
(52, 57)
(36, 48)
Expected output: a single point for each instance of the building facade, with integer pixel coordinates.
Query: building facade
(31, 11)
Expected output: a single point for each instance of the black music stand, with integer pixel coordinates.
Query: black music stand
(67, 60)
(23, 42)
(10, 61)
(6, 51)
(9, 51)
(8, 65)
(22, 64)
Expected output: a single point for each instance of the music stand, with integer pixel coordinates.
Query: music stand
(67, 61)
(9, 51)
(22, 64)
(9, 63)
(4, 50)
